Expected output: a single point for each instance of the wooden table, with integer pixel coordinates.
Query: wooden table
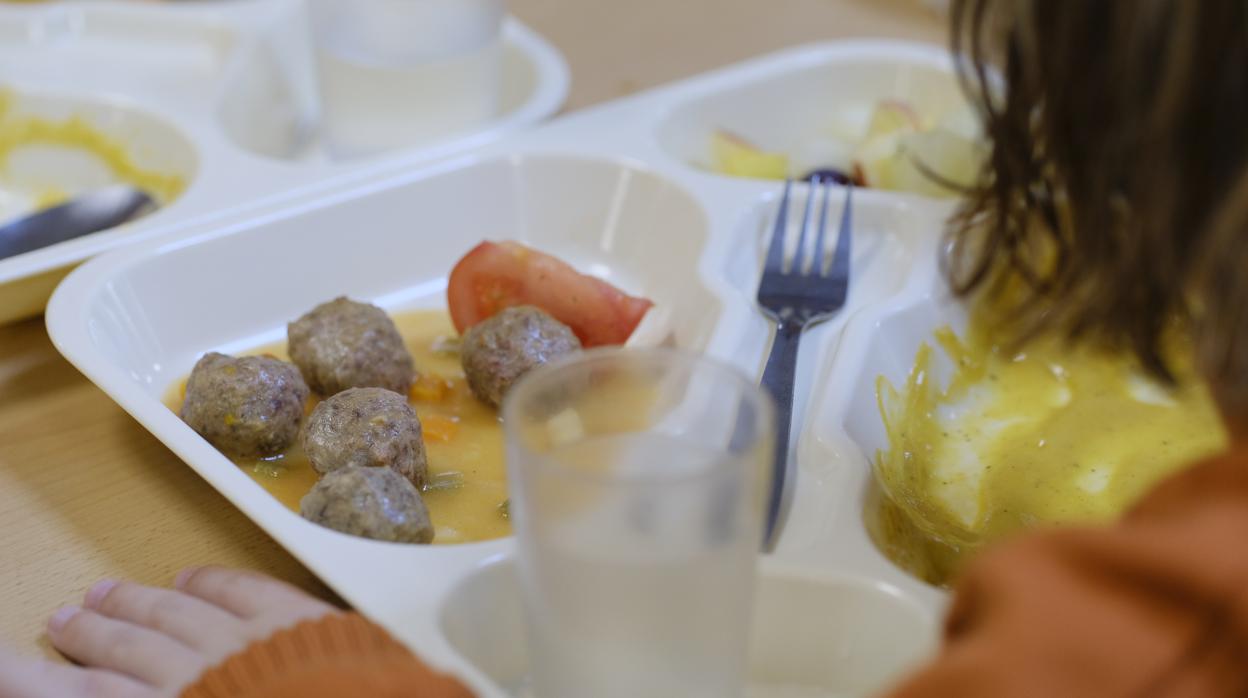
(85, 493)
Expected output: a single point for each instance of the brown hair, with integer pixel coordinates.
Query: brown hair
(1115, 194)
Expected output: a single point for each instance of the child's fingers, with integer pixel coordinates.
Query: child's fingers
(105, 643)
(248, 595)
(30, 678)
(191, 621)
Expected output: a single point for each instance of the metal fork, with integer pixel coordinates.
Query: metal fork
(797, 293)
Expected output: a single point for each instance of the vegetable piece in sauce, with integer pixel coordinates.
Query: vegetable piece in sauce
(439, 428)
(430, 388)
(449, 480)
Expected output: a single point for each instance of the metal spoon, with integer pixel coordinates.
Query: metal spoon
(87, 213)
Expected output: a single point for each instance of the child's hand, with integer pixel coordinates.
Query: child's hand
(141, 642)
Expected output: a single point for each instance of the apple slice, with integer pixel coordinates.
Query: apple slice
(947, 156)
(733, 155)
(875, 159)
(892, 116)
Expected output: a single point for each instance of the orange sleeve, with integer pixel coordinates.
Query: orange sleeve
(1156, 605)
(341, 654)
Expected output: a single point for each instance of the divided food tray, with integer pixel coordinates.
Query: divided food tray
(223, 94)
(616, 191)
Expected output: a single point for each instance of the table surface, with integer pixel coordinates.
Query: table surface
(86, 493)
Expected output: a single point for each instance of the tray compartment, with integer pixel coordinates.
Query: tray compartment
(813, 635)
(396, 246)
(846, 428)
(153, 144)
(145, 321)
(890, 351)
(890, 238)
(824, 93)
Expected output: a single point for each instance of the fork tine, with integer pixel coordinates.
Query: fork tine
(775, 253)
(820, 265)
(799, 257)
(840, 261)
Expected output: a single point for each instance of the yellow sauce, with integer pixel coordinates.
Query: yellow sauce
(75, 132)
(1015, 440)
(463, 437)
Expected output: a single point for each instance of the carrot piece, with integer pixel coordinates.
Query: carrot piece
(439, 428)
(430, 388)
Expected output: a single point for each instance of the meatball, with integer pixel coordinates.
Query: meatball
(245, 406)
(497, 351)
(366, 427)
(344, 344)
(375, 503)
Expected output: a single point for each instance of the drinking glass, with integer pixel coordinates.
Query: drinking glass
(638, 484)
(395, 73)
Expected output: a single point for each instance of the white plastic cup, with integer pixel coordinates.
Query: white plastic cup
(401, 73)
(638, 480)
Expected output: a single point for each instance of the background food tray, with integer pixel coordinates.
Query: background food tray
(223, 93)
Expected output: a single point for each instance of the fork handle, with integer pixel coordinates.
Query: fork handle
(778, 379)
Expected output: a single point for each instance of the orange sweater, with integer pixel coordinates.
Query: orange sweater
(1156, 605)
(335, 656)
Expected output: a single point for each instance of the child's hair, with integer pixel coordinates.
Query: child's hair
(1116, 189)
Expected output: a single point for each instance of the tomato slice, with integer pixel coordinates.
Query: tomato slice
(498, 275)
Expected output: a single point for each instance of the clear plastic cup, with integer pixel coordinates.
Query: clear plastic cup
(398, 73)
(638, 485)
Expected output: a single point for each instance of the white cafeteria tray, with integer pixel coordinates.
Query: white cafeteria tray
(232, 84)
(609, 189)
